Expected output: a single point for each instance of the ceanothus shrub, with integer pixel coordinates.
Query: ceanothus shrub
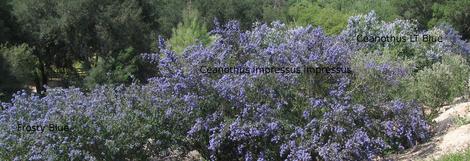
(228, 116)
(410, 67)
(108, 123)
(285, 116)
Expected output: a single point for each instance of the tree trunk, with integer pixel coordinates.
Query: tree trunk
(42, 77)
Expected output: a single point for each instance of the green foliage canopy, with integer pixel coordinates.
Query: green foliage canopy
(188, 31)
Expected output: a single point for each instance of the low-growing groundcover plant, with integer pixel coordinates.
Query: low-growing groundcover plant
(227, 115)
(463, 155)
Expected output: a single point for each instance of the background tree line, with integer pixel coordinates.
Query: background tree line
(87, 42)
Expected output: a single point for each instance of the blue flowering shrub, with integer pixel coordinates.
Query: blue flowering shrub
(434, 73)
(109, 123)
(227, 115)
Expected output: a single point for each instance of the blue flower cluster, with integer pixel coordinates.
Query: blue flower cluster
(229, 116)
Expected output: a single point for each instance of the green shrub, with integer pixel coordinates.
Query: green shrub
(113, 70)
(461, 120)
(189, 31)
(305, 13)
(21, 61)
(442, 82)
(456, 156)
(18, 67)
